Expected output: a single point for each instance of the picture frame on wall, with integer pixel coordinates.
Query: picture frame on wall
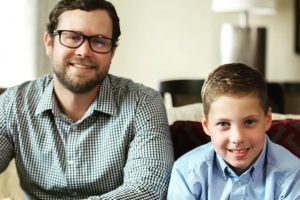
(297, 26)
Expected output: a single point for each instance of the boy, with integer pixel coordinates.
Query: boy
(240, 162)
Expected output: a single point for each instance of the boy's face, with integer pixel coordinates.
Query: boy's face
(237, 126)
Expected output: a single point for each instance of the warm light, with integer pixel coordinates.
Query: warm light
(264, 7)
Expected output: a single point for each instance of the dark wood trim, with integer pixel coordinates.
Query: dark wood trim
(297, 26)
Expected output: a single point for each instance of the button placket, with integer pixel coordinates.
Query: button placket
(71, 156)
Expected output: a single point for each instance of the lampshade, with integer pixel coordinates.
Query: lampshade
(264, 7)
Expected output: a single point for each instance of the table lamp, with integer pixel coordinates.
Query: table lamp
(243, 43)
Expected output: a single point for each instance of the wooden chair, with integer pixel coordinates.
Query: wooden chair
(183, 91)
(276, 97)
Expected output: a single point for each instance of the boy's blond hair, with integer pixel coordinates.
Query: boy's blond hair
(234, 79)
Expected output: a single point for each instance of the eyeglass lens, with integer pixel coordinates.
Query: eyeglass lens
(74, 40)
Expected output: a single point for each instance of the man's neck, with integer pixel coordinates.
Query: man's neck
(74, 105)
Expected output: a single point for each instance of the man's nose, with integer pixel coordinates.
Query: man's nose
(84, 49)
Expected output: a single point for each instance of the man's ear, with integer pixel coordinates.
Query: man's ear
(268, 121)
(113, 51)
(204, 122)
(48, 42)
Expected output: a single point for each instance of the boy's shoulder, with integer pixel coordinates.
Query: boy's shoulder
(278, 157)
(202, 155)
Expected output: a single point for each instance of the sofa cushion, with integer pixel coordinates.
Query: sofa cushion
(191, 112)
(187, 135)
(286, 133)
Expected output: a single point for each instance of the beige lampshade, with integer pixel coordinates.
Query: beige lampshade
(263, 7)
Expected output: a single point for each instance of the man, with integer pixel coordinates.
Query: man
(83, 133)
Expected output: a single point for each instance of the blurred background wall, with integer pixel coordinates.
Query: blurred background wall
(161, 39)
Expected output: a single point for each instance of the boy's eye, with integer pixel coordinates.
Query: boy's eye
(250, 122)
(223, 124)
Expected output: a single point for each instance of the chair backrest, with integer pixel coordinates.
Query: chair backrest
(183, 91)
(276, 97)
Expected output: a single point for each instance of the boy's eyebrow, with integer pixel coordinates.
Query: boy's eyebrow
(246, 117)
(252, 116)
(222, 119)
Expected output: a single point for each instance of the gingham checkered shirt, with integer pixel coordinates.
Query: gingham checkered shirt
(119, 149)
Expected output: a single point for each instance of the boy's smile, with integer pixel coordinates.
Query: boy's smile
(237, 125)
(239, 152)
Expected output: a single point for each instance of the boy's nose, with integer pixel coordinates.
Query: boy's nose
(237, 136)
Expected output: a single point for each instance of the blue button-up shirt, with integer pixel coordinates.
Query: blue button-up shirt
(119, 149)
(202, 174)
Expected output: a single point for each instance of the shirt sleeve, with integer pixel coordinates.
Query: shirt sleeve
(150, 156)
(289, 186)
(6, 142)
(179, 187)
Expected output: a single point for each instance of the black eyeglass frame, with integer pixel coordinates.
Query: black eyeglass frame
(85, 37)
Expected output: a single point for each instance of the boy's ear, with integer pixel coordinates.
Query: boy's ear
(204, 122)
(268, 121)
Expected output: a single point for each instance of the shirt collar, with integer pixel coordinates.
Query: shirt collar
(260, 161)
(254, 171)
(104, 102)
(46, 102)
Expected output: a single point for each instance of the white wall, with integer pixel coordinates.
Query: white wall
(164, 39)
(161, 39)
(169, 39)
(17, 42)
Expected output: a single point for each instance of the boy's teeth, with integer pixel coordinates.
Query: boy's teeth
(80, 66)
(239, 151)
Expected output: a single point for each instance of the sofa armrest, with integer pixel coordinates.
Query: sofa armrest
(9, 183)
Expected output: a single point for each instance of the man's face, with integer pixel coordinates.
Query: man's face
(80, 69)
(237, 125)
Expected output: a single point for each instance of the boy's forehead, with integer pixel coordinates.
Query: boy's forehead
(231, 102)
(241, 98)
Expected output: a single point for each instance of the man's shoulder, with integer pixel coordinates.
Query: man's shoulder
(30, 87)
(126, 85)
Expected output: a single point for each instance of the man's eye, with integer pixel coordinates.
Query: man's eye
(71, 37)
(74, 37)
(100, 42)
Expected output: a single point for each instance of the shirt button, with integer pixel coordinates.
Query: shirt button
(71, 162)
(74, 194)
(73, 128)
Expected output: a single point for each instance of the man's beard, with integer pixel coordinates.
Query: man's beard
(78, 87)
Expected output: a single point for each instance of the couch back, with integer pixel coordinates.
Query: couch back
(187, 132)
(187, 135)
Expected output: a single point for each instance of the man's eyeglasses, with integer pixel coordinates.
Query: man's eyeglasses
(73, 39)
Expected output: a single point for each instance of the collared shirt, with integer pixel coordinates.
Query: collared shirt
(119, 149)
(201, 174)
